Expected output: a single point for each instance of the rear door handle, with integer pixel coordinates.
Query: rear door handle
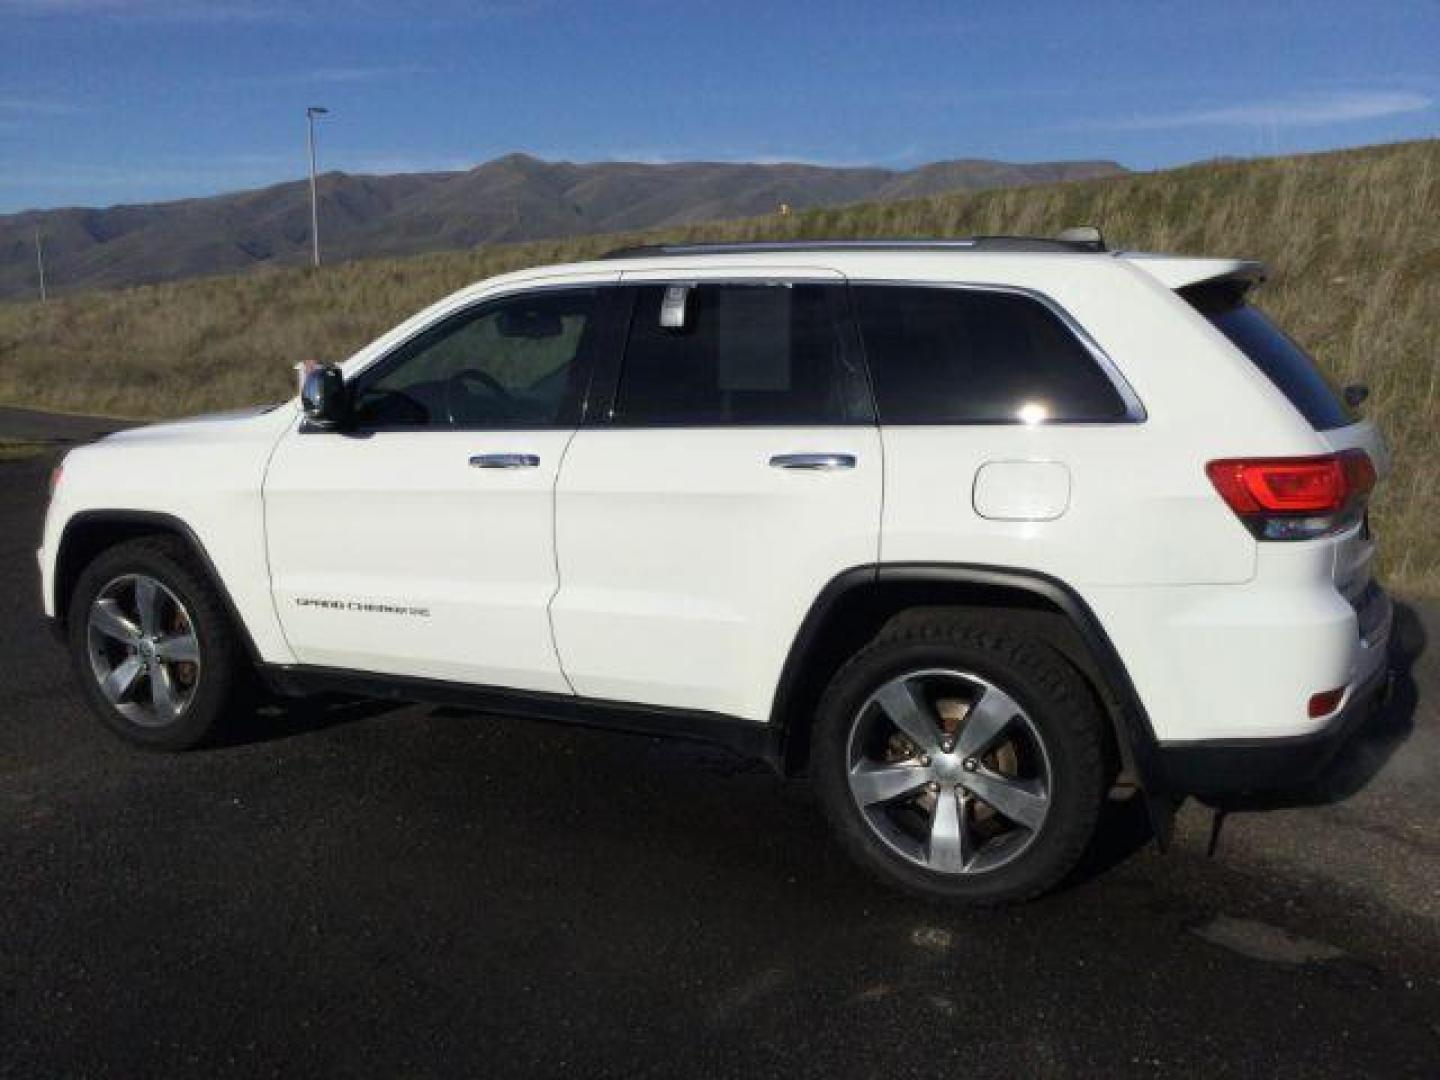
(505, 461)
(816, 462)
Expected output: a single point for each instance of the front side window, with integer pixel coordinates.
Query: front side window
(965, 356)
(762, 354)
(510, 363)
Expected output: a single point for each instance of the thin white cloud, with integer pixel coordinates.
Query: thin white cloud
(12, 108)
(268, 11)
(77, 177)
(1311, 111)
(363, 74)
(149, 10)
(163, 179)
(337, 75)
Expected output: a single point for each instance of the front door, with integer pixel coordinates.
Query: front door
(420, 541)
(735, 472)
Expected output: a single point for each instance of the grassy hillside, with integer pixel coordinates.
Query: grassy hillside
(1351, 238)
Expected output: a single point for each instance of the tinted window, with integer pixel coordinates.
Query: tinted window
(955, 356)
(511, 363)
(1284, 363)
(747, 354)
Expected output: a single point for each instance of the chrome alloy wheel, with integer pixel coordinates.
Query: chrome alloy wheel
(143, 650)
(949, 771)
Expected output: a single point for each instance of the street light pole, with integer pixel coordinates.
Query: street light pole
(40, 262)
(310, 114)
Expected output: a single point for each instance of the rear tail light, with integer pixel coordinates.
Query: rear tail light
(1295, 498)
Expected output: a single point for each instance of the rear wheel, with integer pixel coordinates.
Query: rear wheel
(960, 762)
(153, 645)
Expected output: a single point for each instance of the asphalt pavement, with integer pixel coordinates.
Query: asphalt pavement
(28, 425)
(359, 889)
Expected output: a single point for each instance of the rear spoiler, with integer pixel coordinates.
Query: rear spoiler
(1178, 272)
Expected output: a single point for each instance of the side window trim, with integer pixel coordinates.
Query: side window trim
(605, 381)
(588, 357)
(599, 405)
(1134, 408)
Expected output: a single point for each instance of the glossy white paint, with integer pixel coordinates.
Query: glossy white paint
(206, 472)
(674, 566)
(401, 520)
(1021, 490)
(687, 562)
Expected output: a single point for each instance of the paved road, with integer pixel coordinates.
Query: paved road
(27, 425)
(413, 890)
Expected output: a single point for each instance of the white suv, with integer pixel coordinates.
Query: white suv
(978, 533)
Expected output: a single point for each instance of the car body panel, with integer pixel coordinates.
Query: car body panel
(389, 553)
(687, 562)
(686, 565)
(207, 473)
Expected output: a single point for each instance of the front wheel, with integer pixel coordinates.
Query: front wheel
(153, 645)
(961, 762)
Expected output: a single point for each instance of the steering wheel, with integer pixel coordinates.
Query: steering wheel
(462, 379)
(390, 406)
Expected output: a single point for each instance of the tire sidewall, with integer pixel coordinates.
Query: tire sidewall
(1027, 675)
(199, 721)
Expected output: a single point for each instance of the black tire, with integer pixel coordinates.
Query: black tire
(1059, 705)
(223, 686)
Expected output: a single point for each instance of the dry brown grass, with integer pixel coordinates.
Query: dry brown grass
(1350, 236)
(13, 450)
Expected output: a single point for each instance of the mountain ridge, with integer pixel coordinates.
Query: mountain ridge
(512, 198)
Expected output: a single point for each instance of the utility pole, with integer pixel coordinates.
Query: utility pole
(310, 114)
(40, 262)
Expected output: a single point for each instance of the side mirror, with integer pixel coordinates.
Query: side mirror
(324, 399)
(1355, 394)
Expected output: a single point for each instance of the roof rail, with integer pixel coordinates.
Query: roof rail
(1084, 240)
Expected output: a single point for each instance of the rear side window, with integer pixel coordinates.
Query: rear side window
(970, 356)
(1272, 351)
(743, 354)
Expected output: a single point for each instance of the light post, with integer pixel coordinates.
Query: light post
(310, 114)
(40, 262)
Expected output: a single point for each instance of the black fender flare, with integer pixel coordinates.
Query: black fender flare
(1132, 722)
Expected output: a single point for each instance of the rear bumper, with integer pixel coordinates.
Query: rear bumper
(1230, 770)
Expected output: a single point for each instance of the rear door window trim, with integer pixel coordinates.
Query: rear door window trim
(605, 379)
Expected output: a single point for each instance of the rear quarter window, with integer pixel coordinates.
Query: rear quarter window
(941, 355)
(1271, 350)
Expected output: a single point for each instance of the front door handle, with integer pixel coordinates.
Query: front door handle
(505, 461)
(817, 462)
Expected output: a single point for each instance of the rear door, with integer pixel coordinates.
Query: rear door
(735, 471)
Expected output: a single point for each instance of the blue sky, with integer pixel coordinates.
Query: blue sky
(106, 101)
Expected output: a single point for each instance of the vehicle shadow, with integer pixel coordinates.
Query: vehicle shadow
(275, 719)
(1125, 826)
